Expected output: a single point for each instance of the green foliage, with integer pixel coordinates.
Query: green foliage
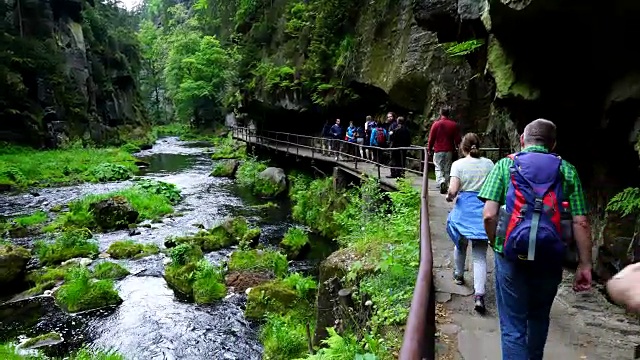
(194, 276)
(295, 239)
(10, 352)
(248, 176)
(68, 245)
(316, 203)
(111, 172)
(129, 249)
(283, 337)
(150, 199)
(228, 148)
(80, 292)
(167, 190)
(36, 218)
(258, 260)
(28, 167)
(109, 270)
(625, 202)
(463, 48)
(338, 347)
(305, 286)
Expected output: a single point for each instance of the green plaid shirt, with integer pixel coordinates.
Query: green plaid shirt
(496, 183)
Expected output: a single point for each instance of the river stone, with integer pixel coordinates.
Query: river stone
(78, 261)
(13, 264)
(114, 213)
(277, 177)
(49, 339)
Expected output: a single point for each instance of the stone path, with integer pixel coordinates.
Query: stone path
(583, 326)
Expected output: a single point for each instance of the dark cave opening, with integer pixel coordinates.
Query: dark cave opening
(570, 52)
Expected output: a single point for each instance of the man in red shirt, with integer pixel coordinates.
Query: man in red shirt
(444, 138)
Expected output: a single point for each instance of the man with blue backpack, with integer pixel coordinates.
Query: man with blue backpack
(534, 206)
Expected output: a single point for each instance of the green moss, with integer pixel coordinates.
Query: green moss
(13, 260)
(248, 175)
(109, 270)
(295, 239)
(80, 292)
(24, 167)
(47, 278)
(41, 340)
(190, 274)
(129, 249)
(258, 261)
(225, 168)
(274, 297)
(70, 244)
(507, 84)
(230, 232)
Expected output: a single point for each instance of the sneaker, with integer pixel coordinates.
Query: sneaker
(443, 188)
(458, 279)
(478, 302)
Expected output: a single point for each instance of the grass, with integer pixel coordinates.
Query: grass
(194, 276)
(187, 133)
(258, 261)
(46, 278)
(80, 292)
(21, 167)
(295, 239)
(109, 270)
(248, 175)
(10, 352)
(68, 245)
(129, 249)
(36, 218)
(149, 205)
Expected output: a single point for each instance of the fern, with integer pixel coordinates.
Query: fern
(625, 202)
(463, 48)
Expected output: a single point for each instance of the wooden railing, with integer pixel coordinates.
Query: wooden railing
(420, 330)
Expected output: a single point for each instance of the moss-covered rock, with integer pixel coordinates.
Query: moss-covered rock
(295, 242)
(81, 292)
(226, 168)
(500, 65)
(113, 213)
(109, 270)
(129, 249)
(13, 263)
(230, 232)
(268, 261)
(242, 280)
(273, 297)
(68, 245)
(39, 341)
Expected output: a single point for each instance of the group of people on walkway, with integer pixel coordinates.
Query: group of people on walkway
(528, 207)
(373, 141)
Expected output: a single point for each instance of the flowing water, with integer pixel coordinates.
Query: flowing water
(152, 323)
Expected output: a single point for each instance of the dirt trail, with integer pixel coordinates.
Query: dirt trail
(583, 326)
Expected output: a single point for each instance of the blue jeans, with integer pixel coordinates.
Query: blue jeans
(525, 293)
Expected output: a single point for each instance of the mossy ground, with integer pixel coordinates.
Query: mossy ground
(194, 276)
(80, 292)
(109, 270)
(68, 245)
(21, 167)
(232, 231)
(258, 261)
(129, 249)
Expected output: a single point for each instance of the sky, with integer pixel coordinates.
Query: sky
(130, 4)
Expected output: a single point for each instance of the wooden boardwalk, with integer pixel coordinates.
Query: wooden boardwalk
(314, 152)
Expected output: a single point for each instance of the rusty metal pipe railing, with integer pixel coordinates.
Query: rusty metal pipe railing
(419, 334)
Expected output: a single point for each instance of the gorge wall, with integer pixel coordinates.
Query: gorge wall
(68, 70)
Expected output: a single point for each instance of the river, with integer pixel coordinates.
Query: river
(152, 323)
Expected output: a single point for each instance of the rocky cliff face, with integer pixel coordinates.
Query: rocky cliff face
(71, 72)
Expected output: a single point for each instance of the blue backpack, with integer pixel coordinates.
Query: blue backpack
(533, 208)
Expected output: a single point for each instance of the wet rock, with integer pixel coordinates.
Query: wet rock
(240, 281)
(146, 146)
(230, 232)
(618, 248)
(134, 232)
(13, 264)
(226, 168)
(5, 187)
(273, 297)
(114, 213)
(277, 178)
(332, 269)
(141, 163)
(77, 261)
(49, 339)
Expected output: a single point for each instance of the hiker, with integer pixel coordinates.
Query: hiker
(526, 228)
(401, 138)
(444, 137)
(369, 125)
(379, 140)
(336, 137)
(624, 287)
(326, 138)
(464, 223)
(360, 140)
(350, 137)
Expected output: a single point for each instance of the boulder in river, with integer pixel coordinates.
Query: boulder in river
(114, 213)
(52, 338)
(226, 168)
(276, 180)
(13, 263)
(273, 297)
